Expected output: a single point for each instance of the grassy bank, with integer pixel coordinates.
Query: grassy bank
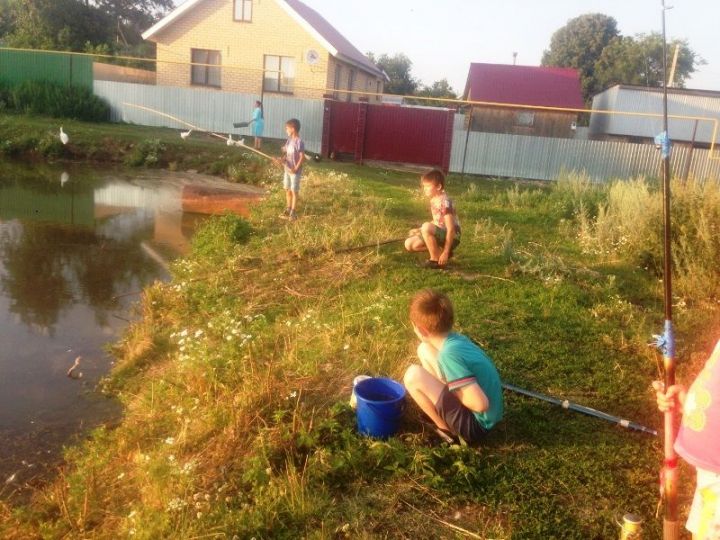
(235, 380)
(36, 138)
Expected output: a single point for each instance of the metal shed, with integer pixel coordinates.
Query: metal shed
(638, 99)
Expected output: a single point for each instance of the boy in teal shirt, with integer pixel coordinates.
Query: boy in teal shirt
(456, 383)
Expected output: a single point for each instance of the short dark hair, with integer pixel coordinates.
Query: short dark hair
(432, 311)
(295, 123)
(435, 176)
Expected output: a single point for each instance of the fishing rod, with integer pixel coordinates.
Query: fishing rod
(365, 246)
(565, 404)
(669, 474)
(312, 254)
(229, 139)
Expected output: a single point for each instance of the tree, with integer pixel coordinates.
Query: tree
(579, 44)
(56, 24)
(398, 70)
(132, 17)
(78, 25)
(438, 89)
(638, 60)
(7, 19)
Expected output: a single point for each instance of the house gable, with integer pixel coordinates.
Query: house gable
(321, 31)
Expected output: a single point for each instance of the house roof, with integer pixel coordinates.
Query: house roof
(314, 23)
(343, 48)
(524, 85)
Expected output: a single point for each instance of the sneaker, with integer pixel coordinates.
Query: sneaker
(292, 215)
(432, 265)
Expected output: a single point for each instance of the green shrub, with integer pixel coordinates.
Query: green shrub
(148, 152)
(219, 235)
(630, 223)
(57, 100)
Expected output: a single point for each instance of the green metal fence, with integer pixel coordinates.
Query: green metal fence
(17, 66)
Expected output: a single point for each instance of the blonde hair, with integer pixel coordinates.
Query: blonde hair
(432, 311)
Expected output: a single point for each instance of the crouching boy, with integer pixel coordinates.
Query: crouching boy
(456, 383)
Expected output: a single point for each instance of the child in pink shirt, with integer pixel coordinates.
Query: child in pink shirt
(698, 442)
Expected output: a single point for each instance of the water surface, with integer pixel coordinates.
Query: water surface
(73, 243)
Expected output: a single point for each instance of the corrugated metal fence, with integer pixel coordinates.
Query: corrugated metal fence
(543, 158)
(211, 110)
(489, 154)
(19, 66)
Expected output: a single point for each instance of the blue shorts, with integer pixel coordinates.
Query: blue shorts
(291, 181)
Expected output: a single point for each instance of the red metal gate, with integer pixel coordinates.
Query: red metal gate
(417, 135)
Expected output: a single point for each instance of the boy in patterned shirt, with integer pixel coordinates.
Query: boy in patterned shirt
(440, 236)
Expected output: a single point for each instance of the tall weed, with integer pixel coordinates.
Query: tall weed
(630, 224)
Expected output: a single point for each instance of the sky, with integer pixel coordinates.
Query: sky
(442, 38)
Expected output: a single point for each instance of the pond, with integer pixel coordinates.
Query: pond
(76, 245)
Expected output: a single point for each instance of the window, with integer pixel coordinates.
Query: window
(243, 10)
(525, 119)
(206, 75)
(279, 74)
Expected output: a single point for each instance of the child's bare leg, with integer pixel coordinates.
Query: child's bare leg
(425, 389)
(288, 198)
(428, 356)
(414, 243)
(428, 234)
(293, 200)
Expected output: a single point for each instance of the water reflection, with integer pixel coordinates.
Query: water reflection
(72, 243)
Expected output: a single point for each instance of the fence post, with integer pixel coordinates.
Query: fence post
(467, 137)
(326, 123)
(360, 135)
(448, 140)
(688, 161)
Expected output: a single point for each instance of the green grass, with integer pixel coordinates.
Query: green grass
(235, 379)
(36, 138)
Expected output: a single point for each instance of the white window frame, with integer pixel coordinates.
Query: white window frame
(279, 77)
(205, 74)
(246, 10)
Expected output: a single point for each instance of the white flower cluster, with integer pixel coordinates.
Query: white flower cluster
(176, 505)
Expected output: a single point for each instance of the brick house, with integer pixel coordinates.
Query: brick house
(259, 47)
(509, 85)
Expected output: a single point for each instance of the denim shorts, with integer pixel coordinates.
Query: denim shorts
(292, 181)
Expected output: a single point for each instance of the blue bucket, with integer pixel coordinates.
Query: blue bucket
(380, 405)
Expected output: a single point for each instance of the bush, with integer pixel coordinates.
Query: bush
(148, 152)
(220, 234)
(630, 223)
(53, 99)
